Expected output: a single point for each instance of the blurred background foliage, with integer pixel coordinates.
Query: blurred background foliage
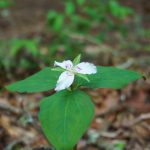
(6, 3)
(70, 31)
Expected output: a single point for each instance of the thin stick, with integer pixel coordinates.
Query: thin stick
(142, 117)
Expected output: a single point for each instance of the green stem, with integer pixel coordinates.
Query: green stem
(75, 147)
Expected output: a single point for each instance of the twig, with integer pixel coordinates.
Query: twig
(111, 134)
(114, 109)
(142, 117)
(11, 145)
(10, 108)
(82, 38)
(126, 64)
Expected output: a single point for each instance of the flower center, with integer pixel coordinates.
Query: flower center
(71, 70)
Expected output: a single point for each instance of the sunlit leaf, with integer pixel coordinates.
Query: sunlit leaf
(65, 117)
(111, 77)
(43, 80)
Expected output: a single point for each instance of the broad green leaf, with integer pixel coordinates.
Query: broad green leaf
(65, 117)
(111, 77)
(106, 77)
(43, 80)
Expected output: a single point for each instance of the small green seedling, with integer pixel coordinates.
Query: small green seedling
(66, 115)
(6, 3)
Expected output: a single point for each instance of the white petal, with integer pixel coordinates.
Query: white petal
(86, 68)
(64, 81)
(67, 64)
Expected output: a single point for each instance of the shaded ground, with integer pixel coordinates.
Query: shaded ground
(122, 116)
(26, 18)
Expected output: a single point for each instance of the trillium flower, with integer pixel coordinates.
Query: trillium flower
(66, 78)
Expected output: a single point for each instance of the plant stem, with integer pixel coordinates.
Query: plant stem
(75, 147)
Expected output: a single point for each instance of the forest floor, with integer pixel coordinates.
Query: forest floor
(122, 117)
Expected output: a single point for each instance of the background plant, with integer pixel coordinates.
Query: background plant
(76, 22)
(12, 49)
(6, 3)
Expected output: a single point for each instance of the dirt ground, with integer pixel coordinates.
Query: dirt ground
(120, 115)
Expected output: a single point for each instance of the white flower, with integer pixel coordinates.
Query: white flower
(67, 77)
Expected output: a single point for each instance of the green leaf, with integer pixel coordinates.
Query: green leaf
(80, 2)
(119, 11)
(111, 77)
(106, 77)
(120, 145)
(55, 20)
(30, 45)
(51, 15)
(43, 80)
(15, 46)
(58, 23)
(69, 8)
(65, 117)
(58, 69)
(83, 76)
(77, 60)
(6, 3)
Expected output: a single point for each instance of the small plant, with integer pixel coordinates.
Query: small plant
(118, 11)
(6, 3)
(81, 19)
(11, 50)
(66, 115)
